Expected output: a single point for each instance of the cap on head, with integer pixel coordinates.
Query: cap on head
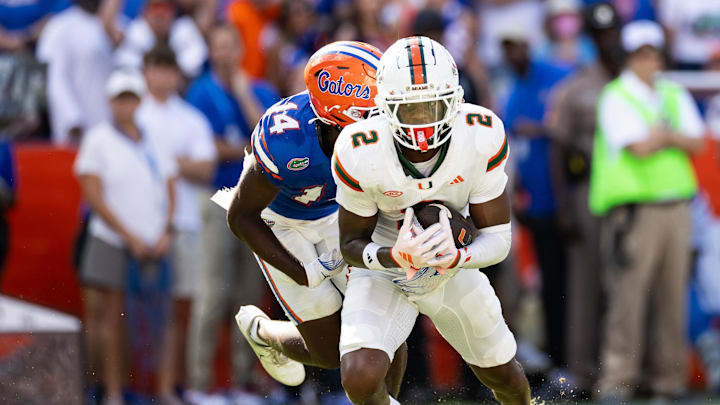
(125, 81)
(514, 34)
(601, 16)
(340, 78)
(638, 34)
(557, 7)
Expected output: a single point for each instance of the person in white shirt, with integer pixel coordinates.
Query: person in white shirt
(129, 184)
(694, 27)
(640, 183)
(180, 129)
(159, 23)
(79, 53)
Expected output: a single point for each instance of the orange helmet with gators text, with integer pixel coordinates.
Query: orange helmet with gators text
(340, 78)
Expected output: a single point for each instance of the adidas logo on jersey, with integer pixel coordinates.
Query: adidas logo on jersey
(457, 180)
(338, 88)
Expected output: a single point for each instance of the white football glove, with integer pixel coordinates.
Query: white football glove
(423, 282)
(447, 255)
(329, 264)
(414, 245)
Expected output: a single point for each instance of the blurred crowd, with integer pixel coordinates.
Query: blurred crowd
(160, 97)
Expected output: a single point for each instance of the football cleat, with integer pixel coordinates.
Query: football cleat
(279, 366)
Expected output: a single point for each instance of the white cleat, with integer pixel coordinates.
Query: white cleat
(279, 366)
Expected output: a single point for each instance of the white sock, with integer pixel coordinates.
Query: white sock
(393, 401)
(254, 332)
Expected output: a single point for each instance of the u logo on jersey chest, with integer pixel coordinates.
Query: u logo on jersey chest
(425, 185)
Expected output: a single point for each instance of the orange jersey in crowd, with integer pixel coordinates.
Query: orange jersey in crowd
(250, 22)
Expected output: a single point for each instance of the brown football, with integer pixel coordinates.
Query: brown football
(428, 213)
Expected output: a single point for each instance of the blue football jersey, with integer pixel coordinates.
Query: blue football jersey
(286, 146)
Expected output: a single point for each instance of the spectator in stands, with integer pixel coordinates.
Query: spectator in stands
(295, 40)
(203, 12)
(22, 22)
(129, 184)
(704, 311)
(7, 197)
(713, 104)
(78, 52)
(572, 124)
(641, 181)
(180, 129)
(630, 10)
(534, 202)
(253, 19)
(430, 23)
(233, 102)
(694, 28)
(497, 15)
(563, 27)
(160, 23)
(22, 77)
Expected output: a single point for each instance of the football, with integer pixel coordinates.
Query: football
(463, 229)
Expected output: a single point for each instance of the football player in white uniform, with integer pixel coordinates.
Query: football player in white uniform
(284, 209)
(426, 145)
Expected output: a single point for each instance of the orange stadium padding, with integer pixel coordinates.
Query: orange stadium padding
(43, 225)
(707, 168)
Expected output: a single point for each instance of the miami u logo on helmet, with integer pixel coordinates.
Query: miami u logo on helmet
(338, 88)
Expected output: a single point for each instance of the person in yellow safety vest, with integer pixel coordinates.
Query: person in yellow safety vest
(640, 182)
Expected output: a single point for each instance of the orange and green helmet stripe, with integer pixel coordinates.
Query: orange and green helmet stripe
(416, 60)
(499, 157)
(343, 175)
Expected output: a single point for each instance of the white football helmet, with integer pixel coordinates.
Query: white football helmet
(418, 91)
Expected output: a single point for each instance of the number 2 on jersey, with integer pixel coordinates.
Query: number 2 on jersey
(364, 138)
(485, 120)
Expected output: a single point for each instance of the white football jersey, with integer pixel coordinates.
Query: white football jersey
(370, 177)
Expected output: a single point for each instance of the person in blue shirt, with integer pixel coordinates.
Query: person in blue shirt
(284, 208)
(230, 100)
(7, 197)
(21, 22)
(232, 103)
(534, 203)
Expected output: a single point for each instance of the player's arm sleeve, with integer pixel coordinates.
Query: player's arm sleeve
(264, 156)
(490, 247)
(491, 183)
(350, 194)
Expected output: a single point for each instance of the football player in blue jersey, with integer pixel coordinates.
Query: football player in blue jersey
(284, 209)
